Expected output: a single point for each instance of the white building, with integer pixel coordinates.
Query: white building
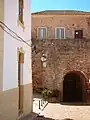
(15, 59)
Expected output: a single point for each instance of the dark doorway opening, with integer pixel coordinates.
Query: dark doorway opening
(78, 34)
(72, 88)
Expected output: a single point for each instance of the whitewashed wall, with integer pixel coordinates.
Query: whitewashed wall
(10, 71)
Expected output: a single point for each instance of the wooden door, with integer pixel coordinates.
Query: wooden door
(68, 86)
(20, 88)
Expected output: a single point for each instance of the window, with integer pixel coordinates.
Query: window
(59, 33)
(21, 5)
(42, 33)
(78, 34)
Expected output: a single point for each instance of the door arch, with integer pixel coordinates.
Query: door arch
(73, 87)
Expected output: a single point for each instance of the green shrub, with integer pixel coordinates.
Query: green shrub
(49, 93)
(46, 93)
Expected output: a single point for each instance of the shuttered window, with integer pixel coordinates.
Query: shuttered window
(42, 33)
(60, 33)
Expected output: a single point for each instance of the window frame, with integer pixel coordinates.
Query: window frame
(38, 32)
(21, 23)
(56, 32)
(77, 36)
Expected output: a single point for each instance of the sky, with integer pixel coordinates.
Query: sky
(40, 5)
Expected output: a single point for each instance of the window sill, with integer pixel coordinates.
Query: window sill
(21, 24)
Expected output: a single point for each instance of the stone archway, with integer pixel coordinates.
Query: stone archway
(73, 87)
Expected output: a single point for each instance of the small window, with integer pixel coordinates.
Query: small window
(21, 6)
(60, 33)
(78, 34)
(42, 33)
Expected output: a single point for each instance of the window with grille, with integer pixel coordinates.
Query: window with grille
(60, 33)
(42, 33)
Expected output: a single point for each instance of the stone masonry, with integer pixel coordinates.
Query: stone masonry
(69, 21)
(62, 57)
(53, 59)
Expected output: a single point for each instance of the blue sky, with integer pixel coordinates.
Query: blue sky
(39, 5)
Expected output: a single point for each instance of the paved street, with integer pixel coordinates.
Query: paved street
(72, 112)
(57, 111)
(64, 112)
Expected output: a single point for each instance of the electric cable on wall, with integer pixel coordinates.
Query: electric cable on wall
(15, 35)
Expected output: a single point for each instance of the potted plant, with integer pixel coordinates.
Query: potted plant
(46, 93)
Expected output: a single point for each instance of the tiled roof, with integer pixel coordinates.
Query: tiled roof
(61, 12)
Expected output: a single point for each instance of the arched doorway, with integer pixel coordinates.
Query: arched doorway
(73, 87)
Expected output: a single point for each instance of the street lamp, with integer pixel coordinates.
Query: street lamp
(44, 59)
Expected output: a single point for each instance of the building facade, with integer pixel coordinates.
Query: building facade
(61, 25)
(61, 57)
(15, 59)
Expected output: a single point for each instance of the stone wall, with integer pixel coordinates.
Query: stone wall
(60, 57)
